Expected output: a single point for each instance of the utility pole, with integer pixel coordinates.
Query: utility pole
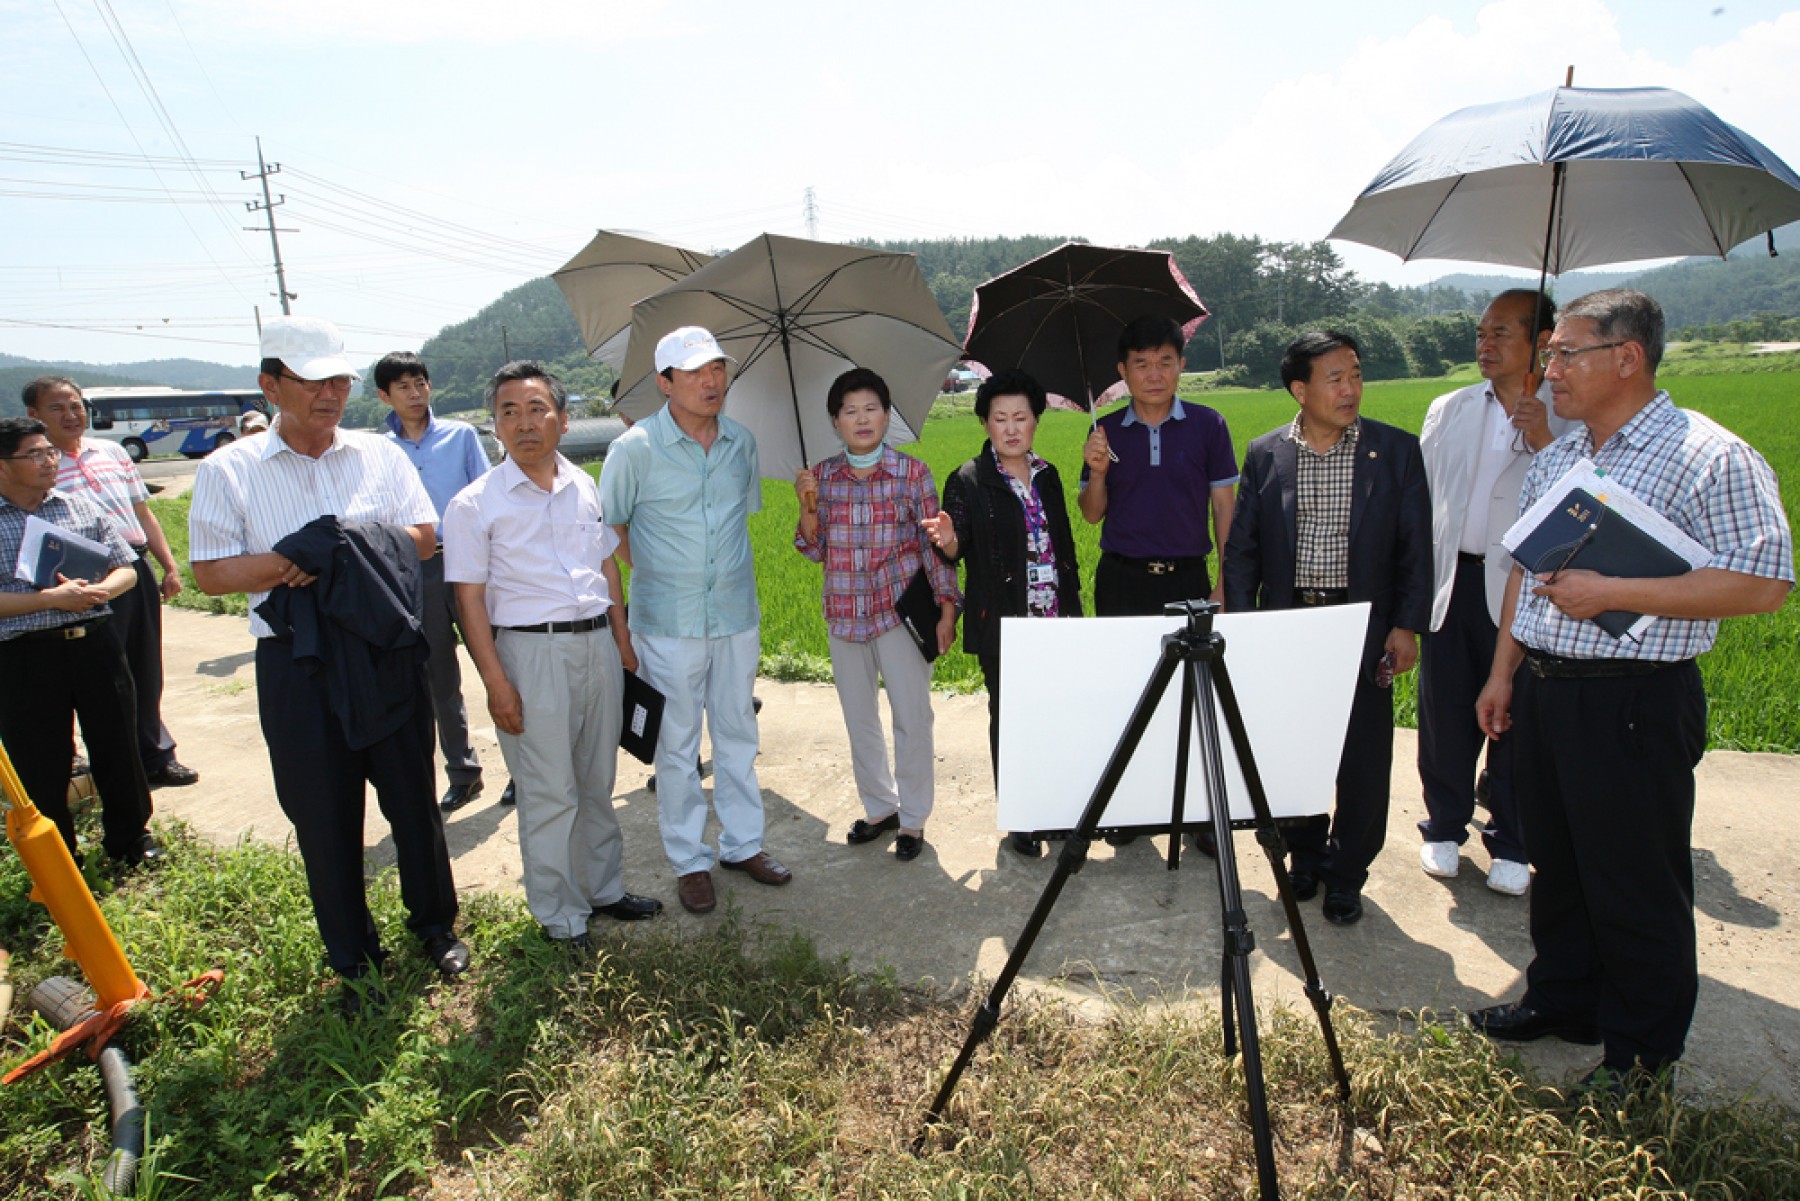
(263, 171)
(505, 348)
(810, 211)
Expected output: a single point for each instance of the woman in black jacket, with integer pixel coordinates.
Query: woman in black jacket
(1004, 516)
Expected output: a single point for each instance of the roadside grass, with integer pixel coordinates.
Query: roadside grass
(1752, 675)
(735, 1062)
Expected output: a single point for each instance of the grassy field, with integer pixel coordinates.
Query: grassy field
(1752, 676)
(738, 1063)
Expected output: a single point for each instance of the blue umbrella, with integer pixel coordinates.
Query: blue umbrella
(1575, 177)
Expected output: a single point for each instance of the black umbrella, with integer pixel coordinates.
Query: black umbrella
(1059, 315)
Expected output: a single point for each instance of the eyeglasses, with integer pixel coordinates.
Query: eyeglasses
(1561, 355)
(312, 387)
(43, 454)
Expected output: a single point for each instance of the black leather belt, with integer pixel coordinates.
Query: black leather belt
(1322, 596)
(1157, 566)
(561, 627)
(68, 633)
(1555, 667)
(1463, 556)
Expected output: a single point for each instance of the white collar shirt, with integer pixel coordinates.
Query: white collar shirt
(253, 493)
(1500, 442)
(539, 552)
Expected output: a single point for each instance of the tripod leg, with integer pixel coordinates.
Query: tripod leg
(1238, 940)
(1070, 861)
(1269, 836)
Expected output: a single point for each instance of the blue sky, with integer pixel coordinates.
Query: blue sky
(436, 154)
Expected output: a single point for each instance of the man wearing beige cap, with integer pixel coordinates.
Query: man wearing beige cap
(327, 741)
(681, 486)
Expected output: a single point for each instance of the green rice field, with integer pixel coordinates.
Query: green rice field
(1752, 675)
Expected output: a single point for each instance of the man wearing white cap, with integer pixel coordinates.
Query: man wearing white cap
(681, 485)
(248, 497)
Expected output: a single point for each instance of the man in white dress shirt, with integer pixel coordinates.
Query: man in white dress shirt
(1478, 442)
(530, 556)
(252, 494)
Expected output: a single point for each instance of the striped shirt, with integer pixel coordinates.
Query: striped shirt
(1699, 475)
(871, 543)
(78, 515)
(1322, 486)
(253, 493)
(103, 472)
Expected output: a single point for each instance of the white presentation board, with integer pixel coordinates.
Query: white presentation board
(1068, 687)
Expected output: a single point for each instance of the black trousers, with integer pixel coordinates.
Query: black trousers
(320, 783)
(1453, 667)
(990, 675)
(1341, 848)
(1605, 772)
(1125, 589)
(137, 623)
(49, 682)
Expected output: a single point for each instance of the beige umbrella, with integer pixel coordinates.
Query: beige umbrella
(611, 273)
(796, 314)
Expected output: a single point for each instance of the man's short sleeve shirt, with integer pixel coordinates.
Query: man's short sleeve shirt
(688, 511)
(1159, 493)
(1701, 476)
(253, 493)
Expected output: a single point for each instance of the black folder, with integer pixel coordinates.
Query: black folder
(72, 557)
(643, 718)
(918, 610)
(1583, 533)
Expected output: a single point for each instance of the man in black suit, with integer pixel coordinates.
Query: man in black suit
(1332, 509)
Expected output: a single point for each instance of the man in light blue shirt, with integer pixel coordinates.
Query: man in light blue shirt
(680, 487)
(449, 458)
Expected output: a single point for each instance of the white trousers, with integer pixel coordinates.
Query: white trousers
(564, 765)
(907, 788)
(714, 676)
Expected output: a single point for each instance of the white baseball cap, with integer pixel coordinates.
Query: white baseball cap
(688, 349)
(310, 347)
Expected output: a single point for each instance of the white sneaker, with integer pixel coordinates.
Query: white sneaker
(1509, 877)
(1440, 859)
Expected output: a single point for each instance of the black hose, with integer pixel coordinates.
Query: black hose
(64, 1002)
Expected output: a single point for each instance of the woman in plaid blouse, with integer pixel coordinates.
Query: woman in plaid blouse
(862, 515)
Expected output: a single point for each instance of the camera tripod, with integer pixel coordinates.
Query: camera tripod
(1203, 651)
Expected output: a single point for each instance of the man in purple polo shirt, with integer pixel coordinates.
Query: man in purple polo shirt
(1154, 471)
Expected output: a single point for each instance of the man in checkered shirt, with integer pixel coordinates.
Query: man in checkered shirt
(1607, 731)
(1333, 510)
(103, 472)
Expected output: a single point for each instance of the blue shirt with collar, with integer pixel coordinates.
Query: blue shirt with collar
(448, 458)
(688, 512)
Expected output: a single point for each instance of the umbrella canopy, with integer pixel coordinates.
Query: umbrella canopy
(1059, 315)
(1575, 177)
(796, 314)
(613, 272)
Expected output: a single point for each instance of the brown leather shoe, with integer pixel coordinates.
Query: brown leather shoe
(696, 892)
(762, 867)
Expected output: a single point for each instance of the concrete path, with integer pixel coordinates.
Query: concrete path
(1124, 923)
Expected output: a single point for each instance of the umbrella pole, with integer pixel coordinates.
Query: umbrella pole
(787, 354)
(1534, 378)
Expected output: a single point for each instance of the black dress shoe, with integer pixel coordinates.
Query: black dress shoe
(458, 795)
(574, 942)
(1522, 1024)
(1207, 843)
(361, 994)
(1343, 906)
(908, 846)
(1028, 845)
(449, 953)
(145, 854)
(629, 908)
(511, 795)
(172, 775)
(866, 831)
(1305, 883)
(1121, 838)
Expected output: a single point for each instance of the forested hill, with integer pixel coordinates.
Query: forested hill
(1259, 292)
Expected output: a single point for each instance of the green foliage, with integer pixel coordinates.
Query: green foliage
(735, 1062)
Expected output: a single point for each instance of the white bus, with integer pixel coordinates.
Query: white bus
(149, 421)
